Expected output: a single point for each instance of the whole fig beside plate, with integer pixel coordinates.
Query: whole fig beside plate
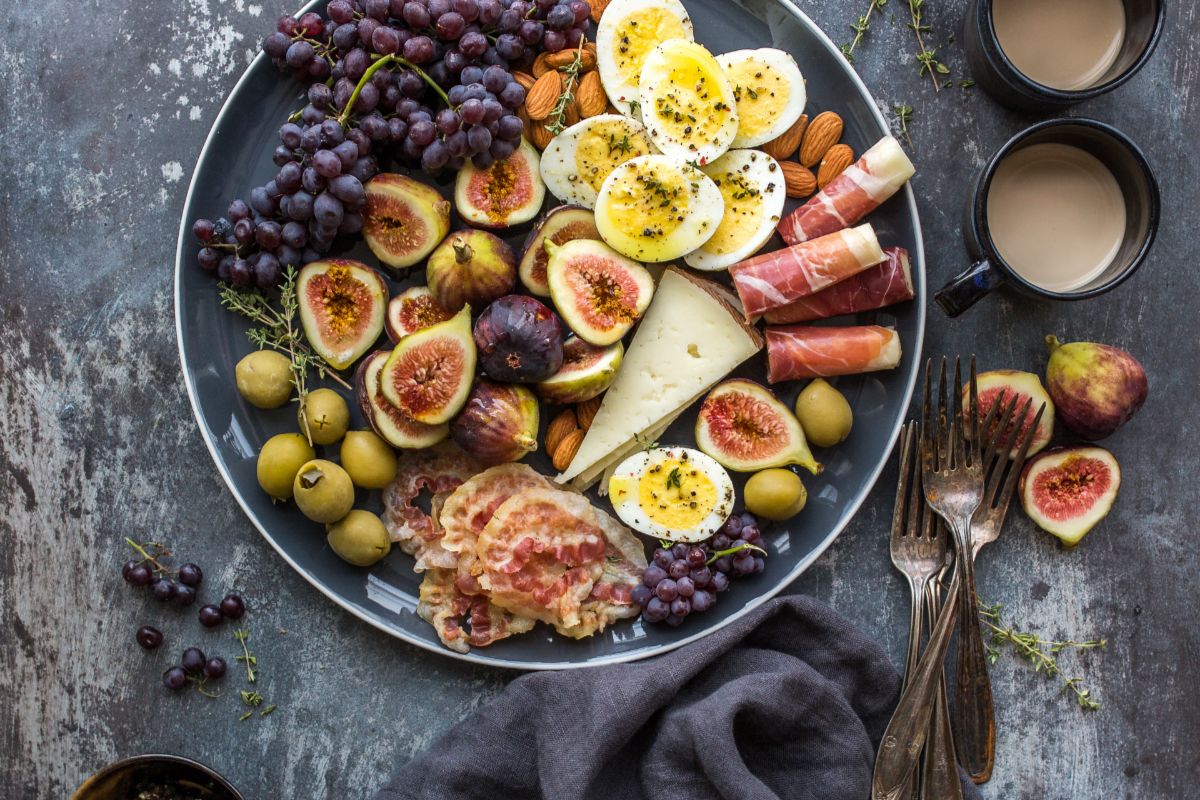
(519, 340)
(1067, 490)
(498, 424)
(1096, 387)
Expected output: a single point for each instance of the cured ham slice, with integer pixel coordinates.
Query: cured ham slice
(860, 189)
(439, 470)
(464, 621)
(611, 597)
(776, 279)
(881, 285)
(802, 351)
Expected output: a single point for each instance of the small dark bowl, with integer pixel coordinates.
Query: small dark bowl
(117, 780)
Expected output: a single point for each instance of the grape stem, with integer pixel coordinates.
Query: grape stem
(385, 61)
(746, 546)
(158, 567)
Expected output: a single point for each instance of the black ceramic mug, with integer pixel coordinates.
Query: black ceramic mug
(1139, 190)
(997, 74)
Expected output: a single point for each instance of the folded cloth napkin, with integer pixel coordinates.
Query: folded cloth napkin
(788, 702)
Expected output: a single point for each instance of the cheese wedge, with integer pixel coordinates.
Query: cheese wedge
(692, 336)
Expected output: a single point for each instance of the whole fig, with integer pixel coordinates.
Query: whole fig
(519, 340)
(498, 424)
(1096, 388)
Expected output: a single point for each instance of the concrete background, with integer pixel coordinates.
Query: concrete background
(105, 106)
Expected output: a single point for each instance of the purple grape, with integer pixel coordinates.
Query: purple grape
(701, 577)
(510, 46)
(210, 616)
(311, 24)
(163, 589)
(582, 9)
(288, 179)
(340, 11)
(348, 189)
(374, 126)
(674, 620)
(186, 595)
(495, 79)
(299, 54)
(448, 121)
(751, 534)
(347, 153)
(719, 582)
(510, 128)
(696, 557)
(136, 573)
(531, 32)
(385, 41)
(702, 600)
(355, 62)
(677, 569)
(455, 60)
(482, 160)
(450, 26)
(282, 156)
(510, 21)
(149, 638)
(331, 133)
(501, 149)
(232, 606)
(435, 157)
(267, 234)
(368, 98)
(312, 180)
(310, 140)
(490, 12)
(294, 234)
(438, 7)
(473, 44)
(478, 137)
(456, 144)
(215, 668)
(365, 168)
(720, 542)
(560, 18)
(192, 659)
(685, 586)
(288, 255)
(300, 206)
(397, 129)
(327, 164)
(416, 15)
(419, 50)
(208, 259)
(267, 273)
(376, 9)
(276, 45)
(352, 223)
(575, 37)
(666, 590)
(743, 564)
(328, 210)
(656, 610)
(471, 74)
(241, 273)
(174, 678)
(345, 37)
(654, 575)
(641, 594)
(512, 95)
(724, 564)
(680, 607)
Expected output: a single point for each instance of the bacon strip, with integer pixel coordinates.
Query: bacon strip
(879, 286)
(849, 197)
(803, 351)
(439, 470)
(775, 279)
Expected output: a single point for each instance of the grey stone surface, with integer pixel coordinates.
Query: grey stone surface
(105, 106)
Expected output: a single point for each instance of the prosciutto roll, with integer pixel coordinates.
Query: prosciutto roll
(849, 197)
(775, 279)
(879, 286)
(803, 351)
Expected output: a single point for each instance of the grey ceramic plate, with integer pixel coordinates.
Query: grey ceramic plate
(237, 156)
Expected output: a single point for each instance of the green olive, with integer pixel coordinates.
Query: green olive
(327, 415)
(264, 378)
(824, 414)
(279, 461)
(775, 494)
(359, 538)
(370, 460)
(323, 490)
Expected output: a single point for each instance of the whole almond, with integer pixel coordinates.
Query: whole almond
(590, 47)
(571, 113)
(558, 429)
(786, 144)
(525, 79)
(565, 58)
(823, 133)
(543, 95)
(798, 181)
(564, 454)
(540, 135)
(590, 95)
(834, 163)
(585, 412)
(540, 67)
(598, 7)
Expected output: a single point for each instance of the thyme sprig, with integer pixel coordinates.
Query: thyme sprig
(860, 27)
(558, 115)
(1041, 653)
(251, 698)
(903, 114)
(242, 634)
(926, 58)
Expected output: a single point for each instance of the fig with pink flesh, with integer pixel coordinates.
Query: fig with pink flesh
(498, 424)
(557, 226)
(471, 267)
(393, 425)
(519, 340)
(1096, 388)
(599, 292)
(411, 310)
(1003, 385)
(746, 428)
(403, 219)
(507, 193)
(342, 304)
(587, 371)
(429, 373)
(1067, 490)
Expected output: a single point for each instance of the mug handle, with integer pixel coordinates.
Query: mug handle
(968, 287)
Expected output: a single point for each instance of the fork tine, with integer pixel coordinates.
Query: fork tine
(916, 503)
(998, 431)
(957, 438)
(1018, 463)
(906, 439)
(928, 451)
(943, 431)
(973, 409)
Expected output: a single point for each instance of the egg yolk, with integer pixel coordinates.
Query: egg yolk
(689, 107)
(603, 149)
(743, 213)
(649, 202)
(638, 34)
(761, 94)
(676, 494)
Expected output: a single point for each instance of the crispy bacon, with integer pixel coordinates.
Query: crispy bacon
(882, 285)
(440, 470)
(611, 597)
(860, 189)
(802, 351)
(776, 279)
(463, 621)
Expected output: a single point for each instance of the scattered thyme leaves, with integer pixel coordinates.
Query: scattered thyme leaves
(251, 697)
(926, 57)
(860, 27)
(903, 114)
(558, 115)
(674, 479)
(251, 661)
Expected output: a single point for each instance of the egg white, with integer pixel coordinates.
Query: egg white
(628, 31)
(647, 477)
(576, 162)
(769, 90)
(688, 105)
(751, 185)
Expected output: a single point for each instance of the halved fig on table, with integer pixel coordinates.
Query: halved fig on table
(403, 219)
(599, 292)
(471, 267)
(1004, 384)
(557, 226)
(1067, 490)
(507, 193)
(342, 304)
(429, 374)
(587, 371)
(746, 428)
(393, 425)
(411, 310)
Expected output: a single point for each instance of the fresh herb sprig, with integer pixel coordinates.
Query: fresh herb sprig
(926, 57)
(251, 698)
(903, 113)
(558, 115)
(860, 27)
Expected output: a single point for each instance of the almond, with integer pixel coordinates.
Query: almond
(543, 95)
(834, 163)
(590, 47)
(786, 144)
(559, 428)
(598, 7)
(540, 135)
(585, 412)
(565, 58)
(590, 96)
(540, 67)
(571, 113)
(525, 79)
(564, 454)
(823, 133)
(798, 181)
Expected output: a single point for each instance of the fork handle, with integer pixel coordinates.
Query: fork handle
(939, 779)
(974, 716)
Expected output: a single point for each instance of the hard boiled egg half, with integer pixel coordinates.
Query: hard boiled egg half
(751, 184)
(673, 493)
(769, 91)
(628, 31)
(656, 208)
(576, 162)
(688, 104)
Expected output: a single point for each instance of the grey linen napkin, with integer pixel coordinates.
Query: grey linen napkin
(788, 702)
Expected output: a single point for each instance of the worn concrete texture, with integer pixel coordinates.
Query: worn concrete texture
(105, 108)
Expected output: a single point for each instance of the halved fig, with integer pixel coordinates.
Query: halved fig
(507, 193)
(1067, 490)
(558, 226)
(471, 267)
(746, 428)
(587, 371)
(393, 425)
(429, 374)
(342, 304)
(411, 310)
(599, 292)
(403, 219)
(1008, 383)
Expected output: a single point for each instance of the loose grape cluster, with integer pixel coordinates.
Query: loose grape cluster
(423, 82)
(686, 578)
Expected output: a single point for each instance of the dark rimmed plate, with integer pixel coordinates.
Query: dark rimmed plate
(237, 156)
